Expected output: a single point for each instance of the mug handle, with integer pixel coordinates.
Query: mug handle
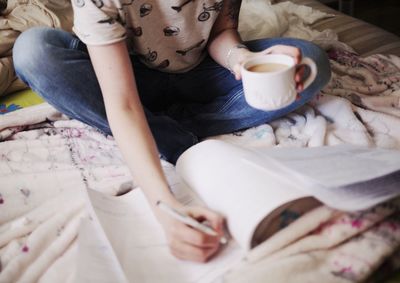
(313, 71)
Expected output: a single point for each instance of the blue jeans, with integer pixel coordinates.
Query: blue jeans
(180, 108)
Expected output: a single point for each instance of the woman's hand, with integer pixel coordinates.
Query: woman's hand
(186, 242)
(292, 51)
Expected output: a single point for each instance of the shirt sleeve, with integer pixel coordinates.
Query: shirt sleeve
(98, 22)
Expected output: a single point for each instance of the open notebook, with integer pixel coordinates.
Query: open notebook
(259, 191)
(123, 242)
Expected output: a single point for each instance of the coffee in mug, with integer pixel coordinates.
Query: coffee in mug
(268, 67)
(268, 80)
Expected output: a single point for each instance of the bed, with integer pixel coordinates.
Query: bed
(47, 160)
(366, 39)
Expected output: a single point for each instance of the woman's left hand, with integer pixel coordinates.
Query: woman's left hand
(276, 49)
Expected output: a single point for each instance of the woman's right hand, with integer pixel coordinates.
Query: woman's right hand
(186, 242)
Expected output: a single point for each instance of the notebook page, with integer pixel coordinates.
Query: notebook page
(141, 248)
(336, 165)
(345, 177)
(96, 260)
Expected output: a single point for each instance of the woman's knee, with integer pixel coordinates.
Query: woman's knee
(32, 52)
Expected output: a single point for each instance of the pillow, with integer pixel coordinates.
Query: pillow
(19, 100)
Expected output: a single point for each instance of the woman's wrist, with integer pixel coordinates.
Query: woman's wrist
(165, 198)
(161, 216)
(160, 191)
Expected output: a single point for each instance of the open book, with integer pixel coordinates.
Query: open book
(258, 191)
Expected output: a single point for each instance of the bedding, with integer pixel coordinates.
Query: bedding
(48, 160)
(17, 16)
(365, 38)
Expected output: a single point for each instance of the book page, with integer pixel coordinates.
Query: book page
(345, 177)
(139, 244)
(242, 191)
(96, 259)
(336, 165)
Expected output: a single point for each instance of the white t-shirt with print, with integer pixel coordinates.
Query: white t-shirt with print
(169, 35)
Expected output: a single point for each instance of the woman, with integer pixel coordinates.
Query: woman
(156, 74)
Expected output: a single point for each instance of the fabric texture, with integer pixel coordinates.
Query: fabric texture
(18, 16)
(182, 30)
(366, 39)
(345, 248)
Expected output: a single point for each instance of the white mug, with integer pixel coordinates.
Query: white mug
(268, 80)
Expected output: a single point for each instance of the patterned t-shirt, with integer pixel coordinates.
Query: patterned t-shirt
(168, 35)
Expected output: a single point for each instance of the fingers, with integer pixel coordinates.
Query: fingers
(194, 237)
(299, 73)
(212, 218)
(186, 251)
(285, 49)
(299, 88)
(237, 71)
(299, 78)
(190, 244)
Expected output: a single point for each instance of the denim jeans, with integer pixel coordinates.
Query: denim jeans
(180, 108)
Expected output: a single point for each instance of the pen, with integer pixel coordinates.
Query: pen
(184, 218)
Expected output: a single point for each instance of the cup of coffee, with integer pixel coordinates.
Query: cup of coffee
(268, 80)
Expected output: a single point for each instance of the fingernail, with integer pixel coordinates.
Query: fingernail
(223, 240)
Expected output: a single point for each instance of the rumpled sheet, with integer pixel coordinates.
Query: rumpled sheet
(326, 246)
(45, 168)
(17, 16)
(46, 161)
